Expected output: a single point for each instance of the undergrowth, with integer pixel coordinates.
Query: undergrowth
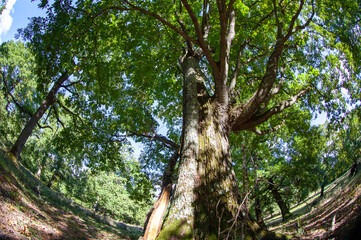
(36, 192)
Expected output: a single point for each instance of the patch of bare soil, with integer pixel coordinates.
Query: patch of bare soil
(24, 217)
(337, 215)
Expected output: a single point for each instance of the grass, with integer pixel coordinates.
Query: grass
(334, 214)
(29, 208)
(31, 199)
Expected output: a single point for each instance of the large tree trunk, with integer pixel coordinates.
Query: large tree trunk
(29, 127)
(180, 223)
(206, 201)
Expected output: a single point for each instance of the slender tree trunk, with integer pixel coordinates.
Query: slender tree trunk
(280, 202)
(29, 127)
(206, 201)
(51, 181)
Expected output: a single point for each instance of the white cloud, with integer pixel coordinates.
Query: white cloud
(5, 19)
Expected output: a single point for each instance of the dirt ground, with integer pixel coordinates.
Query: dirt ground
(336, 215)
(22, 216)
(25, 214)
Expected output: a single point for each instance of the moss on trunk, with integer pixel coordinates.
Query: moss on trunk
(206, 203)
(178, 229)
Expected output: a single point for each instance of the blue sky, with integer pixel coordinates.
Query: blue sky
(17, 15)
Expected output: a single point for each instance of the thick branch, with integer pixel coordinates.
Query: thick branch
(29, 127)
(206, 27)
(166, 141)
(256, 120)
(293, 20)
(239, 64)
(201, 42)
(249, 107)
(247, 110)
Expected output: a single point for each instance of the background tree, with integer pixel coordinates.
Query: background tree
(18, 88)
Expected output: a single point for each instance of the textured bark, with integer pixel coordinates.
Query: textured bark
(29, 127)
(280, 202)
(181, 221)
(218, 197)
(206, 201)
(156, 217)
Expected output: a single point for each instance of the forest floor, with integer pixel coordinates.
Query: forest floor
(30, 210)
(336, 215)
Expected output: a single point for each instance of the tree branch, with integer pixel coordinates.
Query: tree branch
(201, 42)
(256, 120)
(239, 64)
(167, 142)
(291, 29)
(71, 84)
(164, 21)
(205, 19)
(58, 118)
(268, 131)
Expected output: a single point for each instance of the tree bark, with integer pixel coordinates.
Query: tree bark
(29, 127)
(180, 224)
(279, 200)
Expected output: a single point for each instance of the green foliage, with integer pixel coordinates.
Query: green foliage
(70, 142)
(2, 6)
(124, 196)
(18, 97)
(350, 137)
